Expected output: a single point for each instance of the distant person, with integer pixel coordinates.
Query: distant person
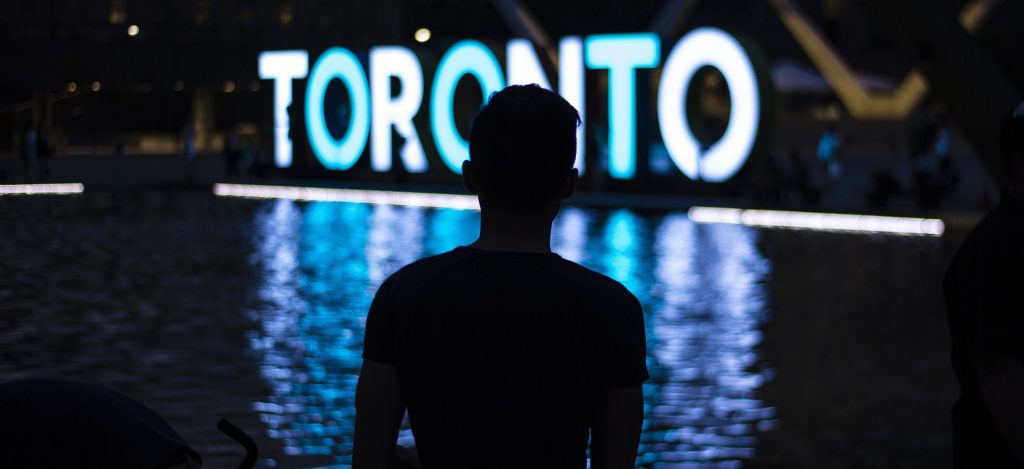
(942, 143)
(247, 159)
(44, 150)
(986, 317)
(296, 137)
(922, 138)
(505, 354)
(188, 150)
(29, 152)
(232, 153)
(828, 152)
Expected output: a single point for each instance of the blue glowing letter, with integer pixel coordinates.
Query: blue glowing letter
(283, 66)
(621, 54)
(340, 154)
(465, 57)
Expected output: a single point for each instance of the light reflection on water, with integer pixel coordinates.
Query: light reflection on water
(701, 287)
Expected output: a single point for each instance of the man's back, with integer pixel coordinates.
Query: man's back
(504, 357)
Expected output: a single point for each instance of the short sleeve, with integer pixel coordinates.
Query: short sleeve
(379, 342)
(624, 343)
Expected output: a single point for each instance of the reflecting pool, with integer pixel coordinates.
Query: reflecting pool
(767, 348)
(701, 286)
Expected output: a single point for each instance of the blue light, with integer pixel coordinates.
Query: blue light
(333, 153)
(702, 288)
(620, 54)
(465, 57)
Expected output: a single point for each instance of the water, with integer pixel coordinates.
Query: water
(205, 307)
(701, 287)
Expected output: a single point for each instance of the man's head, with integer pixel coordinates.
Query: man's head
(521, 150)
(1011, 146)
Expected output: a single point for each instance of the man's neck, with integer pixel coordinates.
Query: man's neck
(514, 232)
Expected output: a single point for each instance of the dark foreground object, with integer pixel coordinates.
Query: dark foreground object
(60, 424)
(982, 291)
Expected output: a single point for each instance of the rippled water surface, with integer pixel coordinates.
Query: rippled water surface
(701, 287)
(206, 307)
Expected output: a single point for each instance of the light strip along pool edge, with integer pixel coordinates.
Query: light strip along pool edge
(39, 189)
(414, 199)
(755, 218)
(819, 221)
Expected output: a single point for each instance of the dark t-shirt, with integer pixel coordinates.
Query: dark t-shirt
(983, 289)
(502, 356)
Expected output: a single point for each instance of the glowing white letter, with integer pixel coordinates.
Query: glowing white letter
(524, 68)
(283, 66)
(700, 48)
(621, 54)
(399, 62)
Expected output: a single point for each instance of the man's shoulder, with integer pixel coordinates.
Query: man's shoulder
(598, 285)
(591, 284)
(430, 266)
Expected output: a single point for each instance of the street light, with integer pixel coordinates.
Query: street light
(422, 35)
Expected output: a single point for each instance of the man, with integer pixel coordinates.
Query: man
(986, 316)
(505, 354)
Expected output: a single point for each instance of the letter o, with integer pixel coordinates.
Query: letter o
(465, 57)
(716, 48)
(338, 154)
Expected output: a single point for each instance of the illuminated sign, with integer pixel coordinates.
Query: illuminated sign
(700, 48)
(341, 153)
(374, 109)
(621, 55)
(464, 58)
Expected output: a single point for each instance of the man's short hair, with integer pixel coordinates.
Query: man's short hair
(1011, 140)
(523, 145)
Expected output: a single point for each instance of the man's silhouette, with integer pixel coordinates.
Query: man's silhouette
(983, 289)
(505, 354)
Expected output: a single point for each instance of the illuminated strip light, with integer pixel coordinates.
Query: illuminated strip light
(414, 199)
(31, 189)
(818, 221)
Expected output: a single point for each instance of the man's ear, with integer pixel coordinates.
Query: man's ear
(469, 177)
(571, 181)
